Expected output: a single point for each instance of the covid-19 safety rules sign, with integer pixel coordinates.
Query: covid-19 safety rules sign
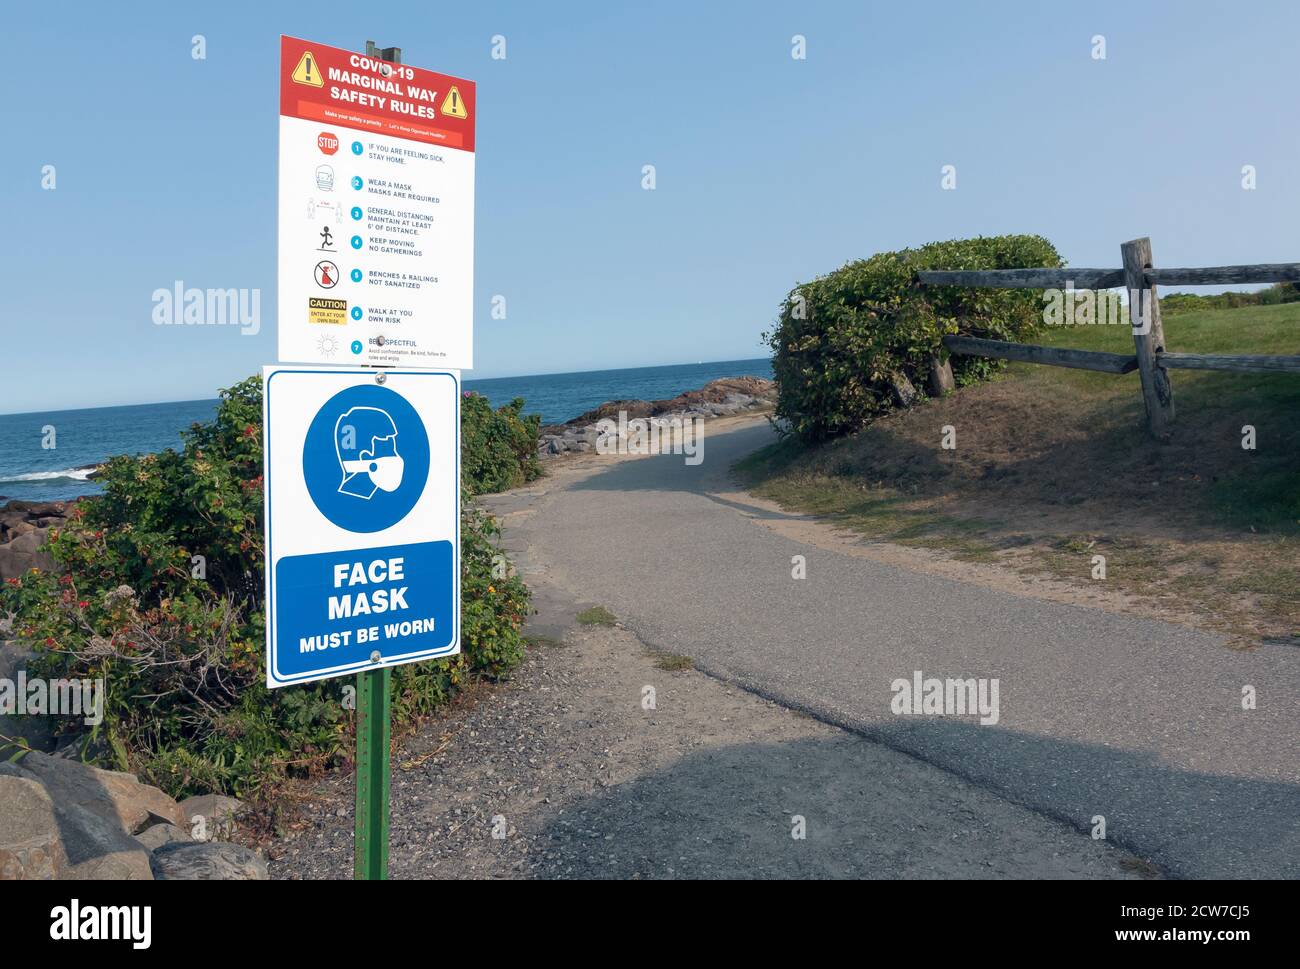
(376, 218)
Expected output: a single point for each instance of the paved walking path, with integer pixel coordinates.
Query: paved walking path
(1132, 719)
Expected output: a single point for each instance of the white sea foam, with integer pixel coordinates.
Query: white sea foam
(68, 474)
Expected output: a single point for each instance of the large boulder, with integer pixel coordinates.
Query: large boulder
(23, 554)
(42, 838)
(208, 861)
(97, 849)
(31, 843)
(114, 796)
(157, 835)
(24, 526)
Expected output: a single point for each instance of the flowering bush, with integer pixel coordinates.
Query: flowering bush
(159, 591)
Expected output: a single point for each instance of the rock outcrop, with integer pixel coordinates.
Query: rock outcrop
(24, 526)
(112, 795)
(63, 819)
(31, 844)
(719, 398)
(157, 835)
(208, 861)
(97, 849)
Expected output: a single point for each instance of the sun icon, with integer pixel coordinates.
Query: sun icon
(328, 345)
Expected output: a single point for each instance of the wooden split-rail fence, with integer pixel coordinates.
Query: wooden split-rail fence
(1151, 359)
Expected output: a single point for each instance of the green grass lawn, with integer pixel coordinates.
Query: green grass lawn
(1265, 491)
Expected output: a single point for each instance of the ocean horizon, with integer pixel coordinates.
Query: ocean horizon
(32, 470)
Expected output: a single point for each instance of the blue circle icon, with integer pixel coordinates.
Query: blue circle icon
(356, 242)
(356, 275)
(356, 346)
(356, 312)
(366, 458)
(356, 212)
(356, 148)
(357, 182)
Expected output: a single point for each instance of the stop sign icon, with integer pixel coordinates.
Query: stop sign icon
(328, 143)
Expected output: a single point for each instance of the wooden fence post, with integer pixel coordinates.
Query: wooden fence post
(1157, 392)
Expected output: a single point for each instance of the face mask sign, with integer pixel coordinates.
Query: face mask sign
(366, 443)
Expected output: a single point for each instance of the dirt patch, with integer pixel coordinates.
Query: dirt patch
(1021, 452)
(1043, 476)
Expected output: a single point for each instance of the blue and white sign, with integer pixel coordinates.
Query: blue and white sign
(362, 520)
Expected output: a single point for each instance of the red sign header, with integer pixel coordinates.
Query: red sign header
(337, 87)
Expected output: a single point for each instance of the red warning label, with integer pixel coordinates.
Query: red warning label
(350, 90)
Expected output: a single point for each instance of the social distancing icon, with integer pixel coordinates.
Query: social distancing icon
(453, 105)
(308, 71)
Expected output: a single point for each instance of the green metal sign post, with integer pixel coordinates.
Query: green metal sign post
(370, 849)
(370, 860)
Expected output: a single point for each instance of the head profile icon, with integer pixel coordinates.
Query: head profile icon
(365, 440)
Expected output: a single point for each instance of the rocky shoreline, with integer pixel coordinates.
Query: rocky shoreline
(718, 398)
(24, 526)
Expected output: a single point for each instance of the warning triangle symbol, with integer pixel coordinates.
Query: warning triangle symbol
(308, 71)
(453, 105)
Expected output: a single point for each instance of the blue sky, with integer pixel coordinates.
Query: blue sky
(770, 170)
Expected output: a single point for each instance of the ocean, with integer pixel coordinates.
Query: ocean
(32, 470)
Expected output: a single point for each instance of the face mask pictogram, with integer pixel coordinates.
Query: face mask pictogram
(365, 440)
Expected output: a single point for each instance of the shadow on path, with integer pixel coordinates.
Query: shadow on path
(727, 813)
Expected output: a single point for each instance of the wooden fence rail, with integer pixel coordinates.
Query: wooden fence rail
(1032, 353)
(1150, 358)
(1236, 364)
(1278, 272)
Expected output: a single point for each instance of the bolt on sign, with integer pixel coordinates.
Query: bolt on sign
(377, 181)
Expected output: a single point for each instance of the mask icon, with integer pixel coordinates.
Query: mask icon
(365, 440)
(325, 178)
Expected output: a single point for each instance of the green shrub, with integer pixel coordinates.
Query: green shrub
(183, 658)
(843, 338)
(1191, 302)
(498, 447)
